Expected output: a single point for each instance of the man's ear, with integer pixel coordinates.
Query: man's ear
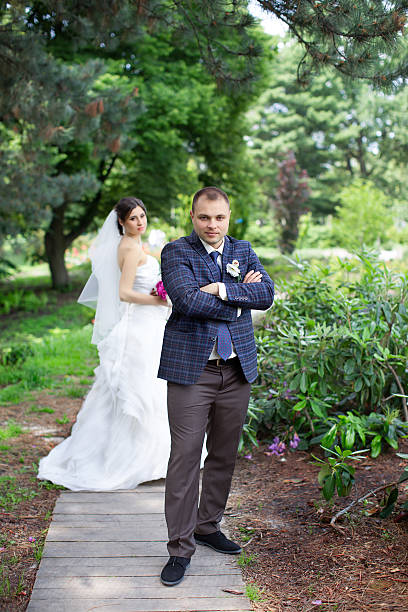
(191, 214)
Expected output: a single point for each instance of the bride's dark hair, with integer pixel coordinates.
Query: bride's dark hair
(124, 207)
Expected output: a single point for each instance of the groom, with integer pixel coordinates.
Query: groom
(209, 360)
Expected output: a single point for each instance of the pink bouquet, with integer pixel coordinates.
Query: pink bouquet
(161, 292)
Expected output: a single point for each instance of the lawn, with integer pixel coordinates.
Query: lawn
(46, 367)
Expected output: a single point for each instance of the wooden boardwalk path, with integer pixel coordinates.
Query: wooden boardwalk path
(105, 551)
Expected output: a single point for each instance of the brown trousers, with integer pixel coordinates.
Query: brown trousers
(217, 404)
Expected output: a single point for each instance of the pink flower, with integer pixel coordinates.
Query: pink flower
(31, 539)
(161, 292)
(249, 456)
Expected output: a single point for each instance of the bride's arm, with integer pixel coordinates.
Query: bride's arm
(131, 260)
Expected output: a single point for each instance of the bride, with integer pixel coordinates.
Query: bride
(121, 436)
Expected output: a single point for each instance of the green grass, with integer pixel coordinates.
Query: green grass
(11, 431)
(38, 277)
(40, 409)
(244, 559)
(63, 420)
(246, 534)
(56, 352)
(12, 494)
(254, 593)
(61, 319)
(75, 391)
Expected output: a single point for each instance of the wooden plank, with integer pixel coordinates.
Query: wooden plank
(106, 497)
(148, 532)
(111, 549)
(106, 550)
(111, 519)
(130, 566)
(142, 605)
(126, 584)
(143, 506)
(116, 588)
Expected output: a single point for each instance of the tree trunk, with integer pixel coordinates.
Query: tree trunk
(361, 159)
(55, 246)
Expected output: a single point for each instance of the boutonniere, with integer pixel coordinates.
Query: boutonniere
(233, 270)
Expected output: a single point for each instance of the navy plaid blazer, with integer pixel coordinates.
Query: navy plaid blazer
(192, 326)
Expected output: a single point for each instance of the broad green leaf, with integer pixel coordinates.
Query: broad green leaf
(358, 385)
(366, 334)
(294, 383)
(303, 382)
(404, 475)
(392, 442)
(318, 409)
(323, 474)
(300, 405)
(329, 438)
(392, 498)
(350, 437)
(328, 488)
(387, 311)
(349, 366)
(376, 446)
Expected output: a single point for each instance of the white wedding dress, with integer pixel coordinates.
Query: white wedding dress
(121, 436)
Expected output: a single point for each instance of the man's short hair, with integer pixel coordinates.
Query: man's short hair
(211, 193)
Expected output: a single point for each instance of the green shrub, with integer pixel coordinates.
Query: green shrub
(363, 217)
(335, 343)
(26, 301)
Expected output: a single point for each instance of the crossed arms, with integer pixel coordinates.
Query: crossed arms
(194, 301)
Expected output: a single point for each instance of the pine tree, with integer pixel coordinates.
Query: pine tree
(339, 131)
(103, 98)
(358, 38)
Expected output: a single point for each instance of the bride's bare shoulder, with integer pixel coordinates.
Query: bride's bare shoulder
(131, 251)
(129, 245)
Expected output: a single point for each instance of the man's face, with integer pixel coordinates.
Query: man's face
(211, 219)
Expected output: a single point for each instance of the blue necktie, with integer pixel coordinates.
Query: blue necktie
(224, 341)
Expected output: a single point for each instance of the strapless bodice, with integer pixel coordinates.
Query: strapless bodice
(147, 275)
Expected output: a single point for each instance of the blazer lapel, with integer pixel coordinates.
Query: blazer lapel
(227, 257)
(197, 245)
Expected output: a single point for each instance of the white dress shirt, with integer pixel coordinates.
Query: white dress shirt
(222, 294)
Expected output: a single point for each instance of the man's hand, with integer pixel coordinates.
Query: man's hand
(211, 288)
(252, 277)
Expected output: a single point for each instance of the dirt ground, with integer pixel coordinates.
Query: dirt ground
(301, 563)
(26, 506)
(291, 553)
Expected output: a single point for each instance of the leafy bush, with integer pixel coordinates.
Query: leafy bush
(351, 430)
(335, 343)
(27, 301)
(15, 353)
(363, 217)
(336, 473)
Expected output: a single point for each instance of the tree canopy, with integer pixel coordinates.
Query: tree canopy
(339, 131)
(89, 119)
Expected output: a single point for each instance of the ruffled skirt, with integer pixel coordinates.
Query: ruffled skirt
(121, 436)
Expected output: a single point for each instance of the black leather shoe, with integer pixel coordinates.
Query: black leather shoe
(218, 542)
(174, 570)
